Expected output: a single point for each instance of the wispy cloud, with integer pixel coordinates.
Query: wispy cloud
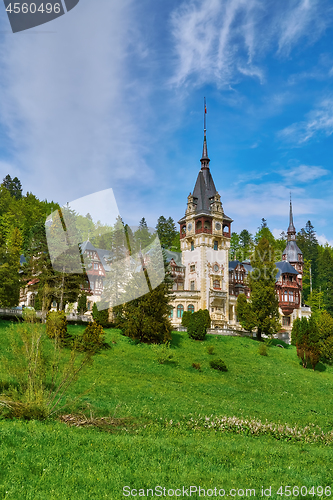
(60, 92)
(304, 173)
(319, 121)
(219, 41)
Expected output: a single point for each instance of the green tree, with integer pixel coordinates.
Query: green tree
(10, 281)
(13, 186)
(82, 305)
(198, 323)
(264, 301)
(245, 314)
(308, 243)
(166, 231)
(146, 318)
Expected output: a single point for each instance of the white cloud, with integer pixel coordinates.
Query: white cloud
(303, 19)
(65, 103)
(322, 240)
(219, 40)
(304, 173)
(318, 121)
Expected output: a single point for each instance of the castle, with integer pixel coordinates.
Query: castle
(204, 278)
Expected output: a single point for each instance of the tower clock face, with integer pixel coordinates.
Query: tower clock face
(217, 226)
(189, 227)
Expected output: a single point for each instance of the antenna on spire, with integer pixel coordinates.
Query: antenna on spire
(205, 160)
(205, 112)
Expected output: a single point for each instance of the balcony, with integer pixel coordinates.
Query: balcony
(204, 230)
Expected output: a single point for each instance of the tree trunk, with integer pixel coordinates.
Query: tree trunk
(259, 334)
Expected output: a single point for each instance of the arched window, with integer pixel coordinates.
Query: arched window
(192, 246)
(198, 224)
(180, 310)
(190, 308)
(216, 245)
(207, 224)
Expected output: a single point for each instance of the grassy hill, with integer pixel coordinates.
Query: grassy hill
(51, 460)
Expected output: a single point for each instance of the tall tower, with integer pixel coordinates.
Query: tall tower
(205, 241)
(292, 253)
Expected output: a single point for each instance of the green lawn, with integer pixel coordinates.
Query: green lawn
(50, 460)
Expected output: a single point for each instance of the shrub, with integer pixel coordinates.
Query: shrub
(92, 339)
(100, 317)
(162, 352)
(198, 324)
(197, 366)
(29, 315)
(218, 364)
(262, 349)
(210, 349)
(186, 318)
(56, 326)
(326, 349)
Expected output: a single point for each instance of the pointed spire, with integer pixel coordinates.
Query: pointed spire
(291, 229)
(204, 159)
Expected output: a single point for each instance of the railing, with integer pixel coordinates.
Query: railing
(18, 312)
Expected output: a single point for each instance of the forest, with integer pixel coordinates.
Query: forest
(22, 233)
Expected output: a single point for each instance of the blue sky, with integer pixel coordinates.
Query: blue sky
(111, 96)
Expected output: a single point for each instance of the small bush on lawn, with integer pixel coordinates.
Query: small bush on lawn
(210, 349)
(218, 364)
(162, 352)
(92, 339)
(263, 349)
(198, 323)
(56, 326)
(197, 366)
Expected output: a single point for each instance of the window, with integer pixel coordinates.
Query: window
(192, 286)
(291, 297)
(190, 308)
(286, 321)
(192, 268)
(180, 286)
(95, 266)
(180, 310)
(207, 224)
(216, 284)
(285, 297)
(54, 303)
(199, 224)
(216, 245)
(171, 312)
(192, 246)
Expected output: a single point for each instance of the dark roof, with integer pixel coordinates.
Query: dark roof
(283, 268)
(204, 189)
(176, 256)
(233, 264)
(86, 245)
(292, 251)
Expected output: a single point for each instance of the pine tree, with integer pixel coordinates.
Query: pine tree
(264, 301)
(10, 280)
(13, 186)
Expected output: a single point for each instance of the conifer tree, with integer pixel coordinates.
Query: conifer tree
(264, 301)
